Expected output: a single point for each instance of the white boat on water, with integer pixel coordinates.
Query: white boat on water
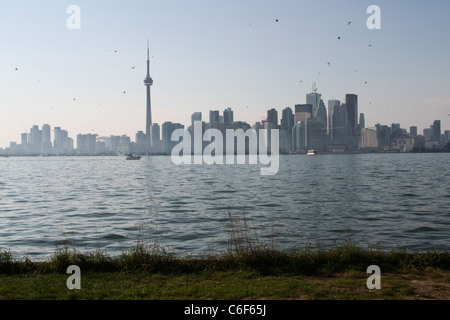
(311, 152)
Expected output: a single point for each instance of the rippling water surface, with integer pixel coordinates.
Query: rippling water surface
(108, 203)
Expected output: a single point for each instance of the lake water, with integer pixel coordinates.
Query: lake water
(109, 203)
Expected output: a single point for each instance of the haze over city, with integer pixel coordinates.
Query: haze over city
(251, 56)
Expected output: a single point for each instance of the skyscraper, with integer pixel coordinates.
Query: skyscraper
(437, 130)
(361, 126)
(351, 100)
(24, 138)
(148, 82)
(287, 123)
(331, 105)
(272, 118)
(270, 124)
(196, 116)
(446, 135)
(228, 116)
(35, 140)
(155, 137)
(62, 143)
(428, 133)
(339, 130)
(46, 147)
(287, 119)
(299, 138)
(214, 118)
(362, 121)
(314, 100)
(167, 129)
(319, 112)
(140, 138)
(316, 135)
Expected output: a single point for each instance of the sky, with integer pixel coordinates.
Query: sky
(214, 54)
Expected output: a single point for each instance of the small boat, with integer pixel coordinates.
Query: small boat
(311, 152)
(132, 157)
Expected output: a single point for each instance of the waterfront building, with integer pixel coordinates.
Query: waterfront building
(214, 118)
(369, 140)
(287, 123)
(167, 129)
(228, 116)
(437, 131)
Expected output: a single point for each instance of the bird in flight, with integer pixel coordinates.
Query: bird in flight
(348, 23)
(370, 45)
(276, 20)
(17, 69)
(339, 38)
(329, 64)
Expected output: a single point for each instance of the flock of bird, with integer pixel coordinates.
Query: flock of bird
(328, 62)
(276, 21)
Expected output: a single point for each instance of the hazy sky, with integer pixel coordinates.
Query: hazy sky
(211, 54)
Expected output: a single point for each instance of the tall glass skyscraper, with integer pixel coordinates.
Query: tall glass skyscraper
(437, 130)
(351, 100)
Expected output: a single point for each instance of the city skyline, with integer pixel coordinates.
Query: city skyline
(250, 56)
(307, 126)
(336, 132)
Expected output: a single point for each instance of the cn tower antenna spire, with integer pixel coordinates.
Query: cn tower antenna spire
(148, 60)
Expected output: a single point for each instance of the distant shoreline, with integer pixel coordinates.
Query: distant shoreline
(165, 154)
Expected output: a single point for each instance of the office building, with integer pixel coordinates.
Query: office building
(331, 105)
(369, 140)
(437, 131)
(287, 123)
(299, 137)
(340, 128)
(155, 136)
(214, 118)
(228, 116)
(167, 129)
(351, 102)
(86, 143)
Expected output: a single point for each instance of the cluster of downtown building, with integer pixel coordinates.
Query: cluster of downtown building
(337, 128)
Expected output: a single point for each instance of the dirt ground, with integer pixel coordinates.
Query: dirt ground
(430, 290)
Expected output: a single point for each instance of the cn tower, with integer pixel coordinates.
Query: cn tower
(148, 81)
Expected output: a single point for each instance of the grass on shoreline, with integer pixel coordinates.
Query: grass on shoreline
(249, 269)
(246, 252)
(334, 274)
(266, 261)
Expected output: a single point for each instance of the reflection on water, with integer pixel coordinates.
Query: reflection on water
(107, 203)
